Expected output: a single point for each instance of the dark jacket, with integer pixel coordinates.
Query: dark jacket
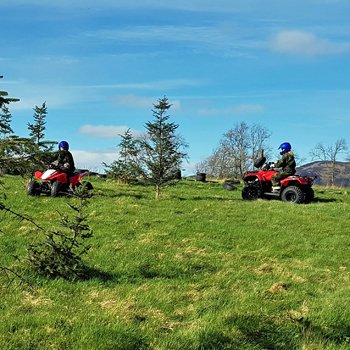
(287, 163)
(64, 161)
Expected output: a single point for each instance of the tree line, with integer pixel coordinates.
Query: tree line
(157, 155)
(154, 158)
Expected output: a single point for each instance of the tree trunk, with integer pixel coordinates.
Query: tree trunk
(157, 191)
(333, 174)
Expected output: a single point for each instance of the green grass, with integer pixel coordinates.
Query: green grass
(198, 269)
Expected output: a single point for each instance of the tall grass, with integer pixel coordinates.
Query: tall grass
(198, 269)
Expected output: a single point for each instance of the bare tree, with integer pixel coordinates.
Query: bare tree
(258, 138)
(217, 165)
(237, 151)
(329, 153)
(235, 145)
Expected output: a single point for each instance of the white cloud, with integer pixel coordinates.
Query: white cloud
(29, 102)
(142, 102)
(304, 43)
(93, 160)
(34, 95)
(106, 131)
(219, 38)
(159, 85)
(237, 109)
(134, 101)
(160, 33)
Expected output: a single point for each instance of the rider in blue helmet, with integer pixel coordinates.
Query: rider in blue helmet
(63, 145)
(286, 163)
(64, 159)
(284, 147)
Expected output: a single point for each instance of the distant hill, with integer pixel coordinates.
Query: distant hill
(323, 171)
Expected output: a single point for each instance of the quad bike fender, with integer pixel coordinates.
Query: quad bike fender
(76, 179)
(54, 175)
(298, 180)
(267, 175)
(81, 175)
(250, 177)
(51, 175)
(61, 177)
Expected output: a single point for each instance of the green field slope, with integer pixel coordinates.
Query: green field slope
(198, 269)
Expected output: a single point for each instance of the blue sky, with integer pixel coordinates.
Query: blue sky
(100, 65)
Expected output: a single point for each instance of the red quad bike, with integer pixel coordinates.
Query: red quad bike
(294, 189)
(54, 182)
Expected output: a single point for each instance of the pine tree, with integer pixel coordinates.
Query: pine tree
(41, 152)
(162, 148)
(10, 145)
(126, 169)
(36, 130)
(5, 131)
(5, 122)
(4, 99)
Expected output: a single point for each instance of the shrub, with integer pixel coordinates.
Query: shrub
(59, 254)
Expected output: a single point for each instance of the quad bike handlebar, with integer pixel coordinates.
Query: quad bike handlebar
(261, 163)
(54, 165)
(268, 166)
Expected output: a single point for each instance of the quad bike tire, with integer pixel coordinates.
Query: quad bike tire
(33, 188)
(87, 185)
(309, 195)
(250, 193)
(293, 194)
(56, 189)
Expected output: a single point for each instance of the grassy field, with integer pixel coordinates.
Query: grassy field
(198, 269)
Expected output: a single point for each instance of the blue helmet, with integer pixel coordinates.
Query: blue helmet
(64, 145)
(285, 147)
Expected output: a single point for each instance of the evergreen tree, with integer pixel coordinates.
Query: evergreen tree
(36, 130)
(5, 131)
(7, 145)
(162, 148)
(41, 150)
(11, 159)
(5, 122)
(126, 169)
(60, 253)
(4, 99)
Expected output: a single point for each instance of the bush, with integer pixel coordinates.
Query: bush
(59, 255)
